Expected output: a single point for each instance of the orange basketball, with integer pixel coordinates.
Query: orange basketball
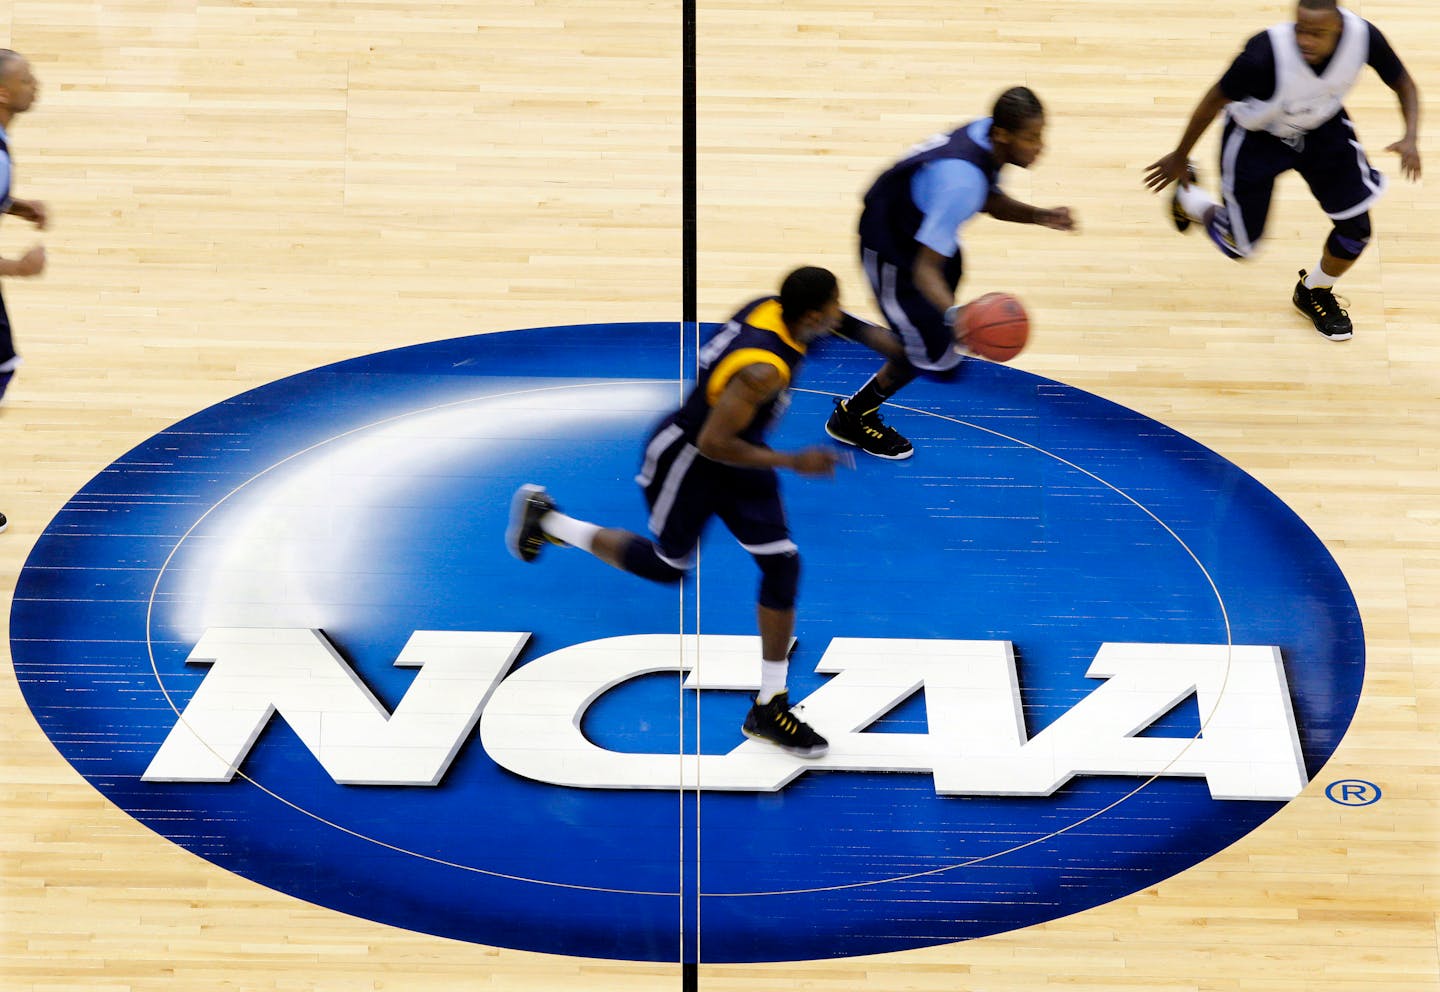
(996, 326)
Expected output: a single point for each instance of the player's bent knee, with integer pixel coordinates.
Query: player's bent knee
(1349, 237)
(779, 580)
(642, 559)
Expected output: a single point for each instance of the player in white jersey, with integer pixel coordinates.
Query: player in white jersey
(1283, 103)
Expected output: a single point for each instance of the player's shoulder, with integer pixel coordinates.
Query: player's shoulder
(955, 177)
(1260, 46)
(744, 315)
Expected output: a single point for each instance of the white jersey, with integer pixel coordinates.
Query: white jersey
(1303, 100)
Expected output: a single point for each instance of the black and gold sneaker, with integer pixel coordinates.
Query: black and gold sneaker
(1178, 216)
(524, 537)
(773, 722)
(867, 432)
(1324, 311)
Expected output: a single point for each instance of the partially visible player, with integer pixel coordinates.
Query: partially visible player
(18, 90)
(709, 459)
(17, 93)
(1282, 98)
(910, 247)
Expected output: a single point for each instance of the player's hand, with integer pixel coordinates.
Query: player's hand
(32, 263)
(1164, 171)
(819, 460)
(1409, 154)
(34, 211)
(1056, 218)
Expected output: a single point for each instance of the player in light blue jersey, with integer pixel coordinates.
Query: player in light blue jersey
(910, 247)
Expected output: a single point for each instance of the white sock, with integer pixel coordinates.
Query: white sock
(1195, 201)
(1318, 278)
(772, 680)
(576, 533)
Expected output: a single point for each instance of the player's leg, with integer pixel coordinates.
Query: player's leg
(1250, 161)
(536, 521)
(1346, 185)
(752, 510)
(929, 345)
(680, 497)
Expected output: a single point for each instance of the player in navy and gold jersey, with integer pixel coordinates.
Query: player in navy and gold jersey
(1282, 102)
(910, 247)
(709, 459)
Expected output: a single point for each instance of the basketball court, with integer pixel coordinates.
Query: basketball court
(1125, 670)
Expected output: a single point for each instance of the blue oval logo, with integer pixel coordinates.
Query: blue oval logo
(1062, 654)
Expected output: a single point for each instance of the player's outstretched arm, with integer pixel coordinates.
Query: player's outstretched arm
(878, 339)
(32, 263)
(735, 409)
(1408, 147)
(1002, 206)
(1171, 168)
(34, 211)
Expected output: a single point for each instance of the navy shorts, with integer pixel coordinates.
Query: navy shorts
(684, 489)
(1329, 159)
(929, 341)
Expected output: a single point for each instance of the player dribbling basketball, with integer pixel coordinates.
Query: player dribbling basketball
(910, 247)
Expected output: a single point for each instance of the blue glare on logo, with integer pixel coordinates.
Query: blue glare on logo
(367, 499)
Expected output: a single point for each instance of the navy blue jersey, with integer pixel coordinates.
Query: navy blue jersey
(755, 335)
(1252, 74)
(891, 217)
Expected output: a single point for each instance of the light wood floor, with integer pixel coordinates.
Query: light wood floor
(245, 190)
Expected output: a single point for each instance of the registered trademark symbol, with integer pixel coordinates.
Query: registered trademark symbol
(1353, 792)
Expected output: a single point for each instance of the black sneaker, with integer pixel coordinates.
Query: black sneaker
(774, 723)
(1178, 216)
(868, 433)
(524, 537)
(3, 522)
(1324, 311)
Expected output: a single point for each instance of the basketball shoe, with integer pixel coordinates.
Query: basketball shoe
(524, 537)
(867, 432)
(773, 722)
(1178, 216)
(3, 523)
(1324, 311)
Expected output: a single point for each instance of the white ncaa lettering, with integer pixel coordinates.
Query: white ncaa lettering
(297, 673)
(531, 724)
(1248, 746)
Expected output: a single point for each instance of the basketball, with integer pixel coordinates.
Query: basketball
(996, 326)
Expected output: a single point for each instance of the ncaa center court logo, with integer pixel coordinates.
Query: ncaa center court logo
(1062, 654)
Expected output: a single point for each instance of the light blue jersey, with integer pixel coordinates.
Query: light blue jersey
(948, 192)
